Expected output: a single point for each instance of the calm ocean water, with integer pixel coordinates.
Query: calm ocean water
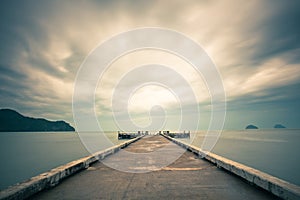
(274, 151)
(24, 155)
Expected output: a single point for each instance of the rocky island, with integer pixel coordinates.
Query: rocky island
(251, 127)
(12, 121)
(279, 126)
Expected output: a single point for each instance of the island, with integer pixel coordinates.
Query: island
(279, 126)
(251, 127)
(12, 121)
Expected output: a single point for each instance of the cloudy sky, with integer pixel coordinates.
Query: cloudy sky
(255, 46)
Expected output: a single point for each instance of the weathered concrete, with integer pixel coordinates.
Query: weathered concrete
(56, 175)
(187, 178)
(270, 183)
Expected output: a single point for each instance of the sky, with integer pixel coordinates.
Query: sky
(254, 45)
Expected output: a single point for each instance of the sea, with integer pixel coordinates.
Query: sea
(27, 154)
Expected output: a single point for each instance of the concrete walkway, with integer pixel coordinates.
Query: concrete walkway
(187, 178)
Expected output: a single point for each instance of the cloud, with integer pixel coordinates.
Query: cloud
(255, 45)
(272, 74)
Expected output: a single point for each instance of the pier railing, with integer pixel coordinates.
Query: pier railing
(274, 185)
(55, 176)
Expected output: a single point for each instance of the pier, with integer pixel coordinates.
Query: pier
(184, 134)
(127, 135)
(191, 176)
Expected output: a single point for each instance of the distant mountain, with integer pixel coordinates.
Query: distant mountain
(279, 126)
(11, 120)
(251, 127)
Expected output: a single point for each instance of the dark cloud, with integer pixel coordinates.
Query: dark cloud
(9, 72)
(277, 105)
(12, 85)
(29, 29)
(279, 32)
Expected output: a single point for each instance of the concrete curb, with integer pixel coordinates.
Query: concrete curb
(55, 176)
(276, 186)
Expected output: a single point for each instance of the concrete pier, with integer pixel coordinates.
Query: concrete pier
(183, 134)
(189, 177)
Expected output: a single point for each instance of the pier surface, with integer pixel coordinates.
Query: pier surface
(189, 177)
